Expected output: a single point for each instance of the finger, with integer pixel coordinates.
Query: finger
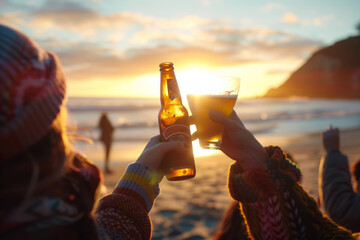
(191, 120)
(195, 136)
(166, 147)
(218, 117)
(235, 117)
(221, 118)
(153, 141)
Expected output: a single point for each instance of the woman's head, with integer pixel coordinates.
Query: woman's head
(37, 166)
(32, 92)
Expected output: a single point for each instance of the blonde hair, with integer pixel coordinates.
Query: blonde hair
(39, 166)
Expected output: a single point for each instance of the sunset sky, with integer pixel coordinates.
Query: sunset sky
(113, 47)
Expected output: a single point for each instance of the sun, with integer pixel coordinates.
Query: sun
(199, 81)
(195, 80)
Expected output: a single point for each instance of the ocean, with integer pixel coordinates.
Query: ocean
(135, 120)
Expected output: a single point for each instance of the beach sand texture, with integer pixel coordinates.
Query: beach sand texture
(192, 209)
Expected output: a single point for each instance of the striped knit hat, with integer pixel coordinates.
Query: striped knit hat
(32, 90)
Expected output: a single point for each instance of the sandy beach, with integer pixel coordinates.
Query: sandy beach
(192, 209)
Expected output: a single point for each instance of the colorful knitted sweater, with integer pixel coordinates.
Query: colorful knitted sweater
(63, 211)
(124, 213)
(275, 206)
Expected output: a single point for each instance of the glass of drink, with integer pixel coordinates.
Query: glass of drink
(219, 94)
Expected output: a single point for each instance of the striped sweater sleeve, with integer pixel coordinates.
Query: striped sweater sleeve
(123, 214)
(276, 206)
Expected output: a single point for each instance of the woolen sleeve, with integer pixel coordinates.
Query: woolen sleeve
(336, 192)
(276, 206)
(124, 213)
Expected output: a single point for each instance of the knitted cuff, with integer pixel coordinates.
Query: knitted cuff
(277, 174)
(281, 168)
(141, 180)
(250, 186)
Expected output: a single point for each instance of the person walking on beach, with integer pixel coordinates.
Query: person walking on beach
(106, 137)
(47, 189)
(336, 193)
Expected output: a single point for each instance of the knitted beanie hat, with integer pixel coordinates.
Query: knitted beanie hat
(32, 90)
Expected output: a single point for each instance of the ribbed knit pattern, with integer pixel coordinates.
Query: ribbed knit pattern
(269, 219)
(124, 213)
(32, 90)
(282, 208)
(142, 180)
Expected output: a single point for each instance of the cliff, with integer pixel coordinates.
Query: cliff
(331, 72)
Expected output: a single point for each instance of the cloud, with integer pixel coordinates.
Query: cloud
(12, 19)
(83, 61)
(18, 6)
(322, 20)
(124, 44)
(290, 18)
(205, 2)
(271, 6)
(81, 20)
(278, 71)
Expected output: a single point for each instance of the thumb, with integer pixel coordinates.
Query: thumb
(195, 136)
(191, 120)
(222, 119)
(235, 118)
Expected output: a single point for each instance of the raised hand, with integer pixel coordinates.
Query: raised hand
(239, 143)
(155, 151)
(331, 139)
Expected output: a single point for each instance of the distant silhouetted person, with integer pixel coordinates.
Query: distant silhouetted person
(107, 130)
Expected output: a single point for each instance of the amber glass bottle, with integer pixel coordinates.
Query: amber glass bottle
(174, 126)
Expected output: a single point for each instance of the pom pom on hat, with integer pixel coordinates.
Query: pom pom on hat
(32, 90)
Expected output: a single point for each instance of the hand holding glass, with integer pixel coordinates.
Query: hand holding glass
(220, 95)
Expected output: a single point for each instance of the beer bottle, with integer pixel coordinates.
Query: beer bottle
(174, 126)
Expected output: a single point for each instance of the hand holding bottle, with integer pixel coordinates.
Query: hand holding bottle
(239, 143)
(155, 151)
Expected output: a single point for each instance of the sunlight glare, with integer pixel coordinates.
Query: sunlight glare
(197, 150)
(200, 152)
(197, 81)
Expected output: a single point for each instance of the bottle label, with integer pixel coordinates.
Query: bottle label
(176, 129)
(173, 88)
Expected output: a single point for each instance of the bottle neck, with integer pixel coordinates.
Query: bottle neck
(169, 89)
